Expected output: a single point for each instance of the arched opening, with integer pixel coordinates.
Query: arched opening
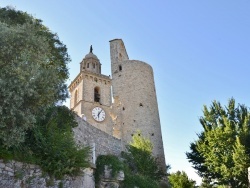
(97, 94)
(76, 97)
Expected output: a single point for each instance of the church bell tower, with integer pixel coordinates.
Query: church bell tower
(91, 93)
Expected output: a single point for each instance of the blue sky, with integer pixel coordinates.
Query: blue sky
(199, 50)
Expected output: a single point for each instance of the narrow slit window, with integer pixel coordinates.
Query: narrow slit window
(120, 68)
(87, 65)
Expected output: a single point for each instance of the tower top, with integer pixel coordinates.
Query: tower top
(90, 62)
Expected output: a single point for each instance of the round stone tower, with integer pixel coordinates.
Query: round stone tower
(135, 100)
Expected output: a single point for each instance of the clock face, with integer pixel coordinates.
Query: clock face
(98, 114)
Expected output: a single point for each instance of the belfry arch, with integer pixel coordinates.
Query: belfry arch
(97, 95)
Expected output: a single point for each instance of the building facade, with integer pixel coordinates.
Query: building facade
(134, 106)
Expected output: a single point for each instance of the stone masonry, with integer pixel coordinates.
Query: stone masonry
(100, 142)
(21, 175)
(135, 99)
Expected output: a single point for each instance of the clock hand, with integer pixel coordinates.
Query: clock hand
(99, 113)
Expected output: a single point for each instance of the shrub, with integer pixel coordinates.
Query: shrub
(51, 145)
(110, 160)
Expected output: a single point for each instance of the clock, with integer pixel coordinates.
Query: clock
(98, 114)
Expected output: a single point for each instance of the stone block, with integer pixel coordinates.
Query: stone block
(2, 165)
(18, 164)
(8, 169)
(10, 173)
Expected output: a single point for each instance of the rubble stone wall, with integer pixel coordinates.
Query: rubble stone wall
(101, 142)
(15, 174)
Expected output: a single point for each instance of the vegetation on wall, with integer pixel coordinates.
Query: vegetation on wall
(221, 152)
(111, 161)
(51, 145)
(138, 164)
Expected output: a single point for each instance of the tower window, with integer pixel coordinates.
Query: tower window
(97, 94)
(93, 65)
(87, 65)
(120, 68)
(76, 98)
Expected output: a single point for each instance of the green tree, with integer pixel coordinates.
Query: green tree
(180, 180)
(206, 184)
(140, 167)
(140, 157)
(52, 143)
(32, 73)
(221, 153)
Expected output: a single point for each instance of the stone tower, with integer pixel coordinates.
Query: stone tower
(135, 102)
(91, 94)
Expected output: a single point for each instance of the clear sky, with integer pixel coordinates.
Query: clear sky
(199, 50)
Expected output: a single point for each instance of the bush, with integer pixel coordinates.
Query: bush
(110, 160)
(139, 166)
(51, 145)
(52, 142)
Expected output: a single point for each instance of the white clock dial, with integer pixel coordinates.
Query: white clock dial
(98, 114)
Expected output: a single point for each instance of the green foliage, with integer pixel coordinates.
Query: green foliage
(19, 174)
(140, 159)
(51, 145)
(32, 73)
(139, 166)
(180, 180)
(60, 185)
(205, 184)
(136, 180)
(141, 143)
(142, 169)
(111, 161)
(221, 153)
(20, 153)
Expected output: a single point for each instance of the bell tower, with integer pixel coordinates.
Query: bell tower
(91, 93)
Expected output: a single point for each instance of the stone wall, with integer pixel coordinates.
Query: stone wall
(101, 142)
(21, 175)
